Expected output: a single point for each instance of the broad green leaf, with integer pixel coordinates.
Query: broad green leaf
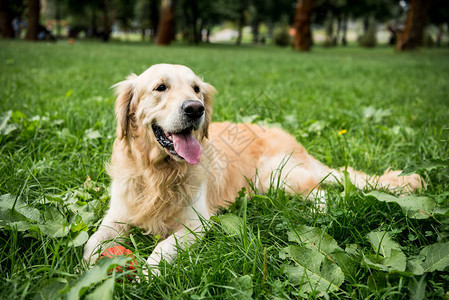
(397, 261)
(375, 114)
(18, 116)
(414, 266)
(374, 262)
(52, 214)
(417, 288)
(425, 165)
(242, 287)
(104, 292)
(382, 242)
(8, 216)
(413, 206)
(92, 134)
(393, 259)
(8, 201)
(85, 211)
(231, 224)
(4, 119)
(6, 128)
(436, 257)
(51, 289)
(313, 237)
(21, 225)
(346, 263)
(312, 270)
(352, 250)
(310, 258)
(97, 274)
(79, 240)
(54, 230)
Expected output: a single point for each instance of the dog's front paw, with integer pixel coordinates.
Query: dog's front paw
(406, 184)
(91, 255)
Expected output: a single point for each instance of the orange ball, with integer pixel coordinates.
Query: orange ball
(114, 251)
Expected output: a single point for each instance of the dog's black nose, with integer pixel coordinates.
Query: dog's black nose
(193, 109)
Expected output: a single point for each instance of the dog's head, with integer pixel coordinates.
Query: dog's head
(169, 106)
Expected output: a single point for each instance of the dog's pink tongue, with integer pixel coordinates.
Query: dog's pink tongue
(187, 147)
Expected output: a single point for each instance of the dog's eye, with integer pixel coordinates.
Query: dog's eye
(196, 89)
(161, 88)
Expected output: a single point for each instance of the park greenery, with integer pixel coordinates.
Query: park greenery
(410, 23)
(369, 109)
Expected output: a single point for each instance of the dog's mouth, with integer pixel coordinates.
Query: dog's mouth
(181, 144)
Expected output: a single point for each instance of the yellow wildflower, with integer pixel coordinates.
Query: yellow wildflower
(342, 132)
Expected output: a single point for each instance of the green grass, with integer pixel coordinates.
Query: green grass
(57, 130)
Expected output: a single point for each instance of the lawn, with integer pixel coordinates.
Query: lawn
(369, 109)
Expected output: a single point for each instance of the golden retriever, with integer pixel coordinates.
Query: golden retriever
(171, 168)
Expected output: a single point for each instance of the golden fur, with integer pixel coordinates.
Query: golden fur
(156, 191)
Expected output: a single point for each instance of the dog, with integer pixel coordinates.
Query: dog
(171, 168)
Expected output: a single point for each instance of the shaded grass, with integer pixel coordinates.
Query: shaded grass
(394, 107)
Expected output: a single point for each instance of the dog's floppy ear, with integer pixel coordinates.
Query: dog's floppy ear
(125, 93)
(208, 94)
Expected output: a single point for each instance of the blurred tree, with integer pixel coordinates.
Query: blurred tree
(439, 15)
(269, 12)
(412, 35)
(147, 16)
(108, 14)
(33, 13)
(125, 13)
(241, 8)
(196, 15)
(166, 28)
(331, 12)
(55, 10)
(302, 23)
(189, 18)
(96, 17)
(256, 19)
(57, 4)
(82, 16)
(8, 11)
(212, 13)
(327, 12)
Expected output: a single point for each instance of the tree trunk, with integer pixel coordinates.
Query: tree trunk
(208, 34)
(33, 20)
(58, 18)
(344, 26)
(154, 18)
(337, 35)
(108, 20)
(6, 20)
(241, 23)
(195, 29)
(329, 30)
(303, 16)
(255, 28)
(270, 29)
(412, 35)
(166, 27)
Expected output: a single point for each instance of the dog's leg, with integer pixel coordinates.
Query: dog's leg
(192, 229)
(114, 224)
(304, 174)
(109, 229)
(390, 180)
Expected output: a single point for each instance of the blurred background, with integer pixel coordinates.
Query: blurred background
(300, 24)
